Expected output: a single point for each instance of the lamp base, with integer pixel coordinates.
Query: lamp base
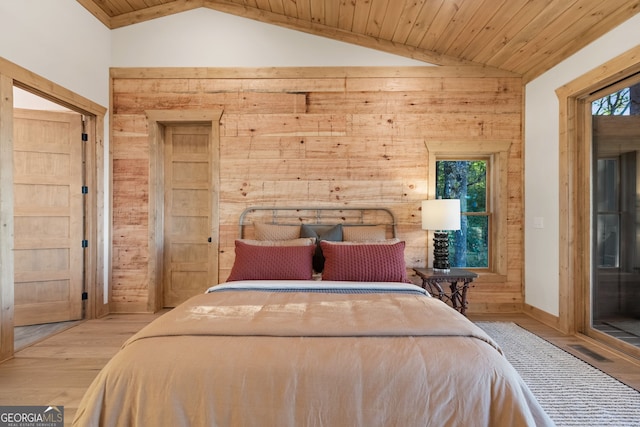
(441, 252)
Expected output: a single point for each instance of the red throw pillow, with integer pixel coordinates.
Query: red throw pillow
(367, 262)
(272, 262)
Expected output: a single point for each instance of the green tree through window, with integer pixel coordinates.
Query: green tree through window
(624, 102)
(466, 180)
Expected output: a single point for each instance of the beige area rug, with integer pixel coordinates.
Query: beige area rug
(570, 390)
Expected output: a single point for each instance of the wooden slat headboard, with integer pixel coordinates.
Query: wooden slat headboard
(321, 216)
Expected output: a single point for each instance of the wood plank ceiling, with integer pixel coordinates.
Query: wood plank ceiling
(525, 37)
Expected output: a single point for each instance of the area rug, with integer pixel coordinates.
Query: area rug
(570, 390)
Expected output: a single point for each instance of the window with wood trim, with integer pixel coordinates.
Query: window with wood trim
(466, 179)
(476, 173)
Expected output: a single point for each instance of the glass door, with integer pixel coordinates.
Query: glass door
(615, 222)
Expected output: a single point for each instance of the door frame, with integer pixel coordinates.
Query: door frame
(157, 119)
(574, 180)
(94, 257)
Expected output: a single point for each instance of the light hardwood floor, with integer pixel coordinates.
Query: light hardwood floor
(58, 369)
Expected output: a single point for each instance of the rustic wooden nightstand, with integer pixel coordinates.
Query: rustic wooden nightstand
(459, 281)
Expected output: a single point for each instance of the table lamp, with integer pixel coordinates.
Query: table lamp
(440, 216)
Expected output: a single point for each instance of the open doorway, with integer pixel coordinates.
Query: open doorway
(95, 224)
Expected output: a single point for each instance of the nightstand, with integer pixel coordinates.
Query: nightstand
(458, 279)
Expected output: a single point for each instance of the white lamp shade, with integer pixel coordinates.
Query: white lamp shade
(441, 214)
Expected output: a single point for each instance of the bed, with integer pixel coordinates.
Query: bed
(281, 349)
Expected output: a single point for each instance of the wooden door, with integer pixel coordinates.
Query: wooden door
(187, 212)
(48, 216)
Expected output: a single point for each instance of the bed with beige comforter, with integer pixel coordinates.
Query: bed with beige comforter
(304, 353)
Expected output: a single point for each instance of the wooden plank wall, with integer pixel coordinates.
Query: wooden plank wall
(315, 136)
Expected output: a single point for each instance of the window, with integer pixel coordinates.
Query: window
(476, 173)
(607, 213)
(466, 179)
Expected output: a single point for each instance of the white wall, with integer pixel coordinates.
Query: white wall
(60, 41)
(208, 38)
(24, 99)
(542, 157)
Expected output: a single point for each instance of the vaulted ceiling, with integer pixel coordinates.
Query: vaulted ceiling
(525, 37)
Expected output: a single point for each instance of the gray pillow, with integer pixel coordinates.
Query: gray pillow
(321, 232)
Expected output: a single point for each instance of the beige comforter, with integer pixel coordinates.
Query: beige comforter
(301, 358)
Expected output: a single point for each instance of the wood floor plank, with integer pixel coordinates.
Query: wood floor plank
(58, 370)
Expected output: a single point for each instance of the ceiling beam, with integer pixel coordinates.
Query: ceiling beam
(96, 11)
(154, 12)
(146, 14)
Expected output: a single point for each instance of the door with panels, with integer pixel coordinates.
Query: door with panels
(48, 216)
(187, 211)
